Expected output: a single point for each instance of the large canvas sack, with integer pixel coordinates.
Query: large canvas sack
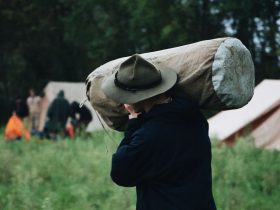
(217, 74)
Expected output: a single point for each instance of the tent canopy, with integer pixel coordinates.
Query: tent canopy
(266, 97)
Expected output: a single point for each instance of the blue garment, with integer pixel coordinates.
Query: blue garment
(166, 154)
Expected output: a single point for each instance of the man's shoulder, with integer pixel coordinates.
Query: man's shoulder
(150, 129)
(38, 98)
(28, 100)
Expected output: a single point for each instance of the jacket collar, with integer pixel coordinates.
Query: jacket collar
(176, 109)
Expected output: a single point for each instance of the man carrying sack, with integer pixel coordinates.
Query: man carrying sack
(166, 151)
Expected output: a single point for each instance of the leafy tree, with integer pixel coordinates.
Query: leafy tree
(256, 24)
(66, 39)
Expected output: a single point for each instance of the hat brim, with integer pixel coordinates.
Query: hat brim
(169, 79)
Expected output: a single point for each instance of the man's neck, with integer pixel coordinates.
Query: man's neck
(162, 100)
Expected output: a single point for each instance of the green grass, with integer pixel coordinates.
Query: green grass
(74, 175)
(66, 174)
(246, 178)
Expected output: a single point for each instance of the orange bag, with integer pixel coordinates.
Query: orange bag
(15, 129)
(70, 130)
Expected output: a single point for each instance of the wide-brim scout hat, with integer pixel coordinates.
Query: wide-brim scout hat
(137, 80)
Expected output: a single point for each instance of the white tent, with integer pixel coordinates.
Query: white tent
(268, 133)
(259, 115)
(73, 91)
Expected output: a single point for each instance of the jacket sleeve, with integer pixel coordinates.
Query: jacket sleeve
(133, 162)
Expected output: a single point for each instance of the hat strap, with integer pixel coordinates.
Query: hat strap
(144, 87)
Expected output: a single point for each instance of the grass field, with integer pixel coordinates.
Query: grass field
(74, 175)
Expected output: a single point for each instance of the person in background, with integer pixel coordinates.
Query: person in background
(20, 107)
(57, 114)
(34, 107)
(15, 129)
(166, 150)
(80, 116)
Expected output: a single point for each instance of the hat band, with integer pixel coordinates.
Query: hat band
(144, 87)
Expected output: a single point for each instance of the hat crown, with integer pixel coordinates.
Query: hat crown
(136, 72)
(137, 80)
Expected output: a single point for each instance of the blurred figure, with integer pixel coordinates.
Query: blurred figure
(69, 129)
(20, 107)
(15, 129)
(81, 116)
(58, 113)
(34, 106)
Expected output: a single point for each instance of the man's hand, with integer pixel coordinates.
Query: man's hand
(131, 111)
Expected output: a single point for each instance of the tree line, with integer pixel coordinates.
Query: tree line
(65, 40)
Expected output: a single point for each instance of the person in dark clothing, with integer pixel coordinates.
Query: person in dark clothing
(81, 116)
(20, 107)
(58, 113)
(166, 150)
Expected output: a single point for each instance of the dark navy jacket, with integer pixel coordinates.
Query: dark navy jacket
(166, 154)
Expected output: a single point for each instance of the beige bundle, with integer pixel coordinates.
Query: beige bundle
(217, 74)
